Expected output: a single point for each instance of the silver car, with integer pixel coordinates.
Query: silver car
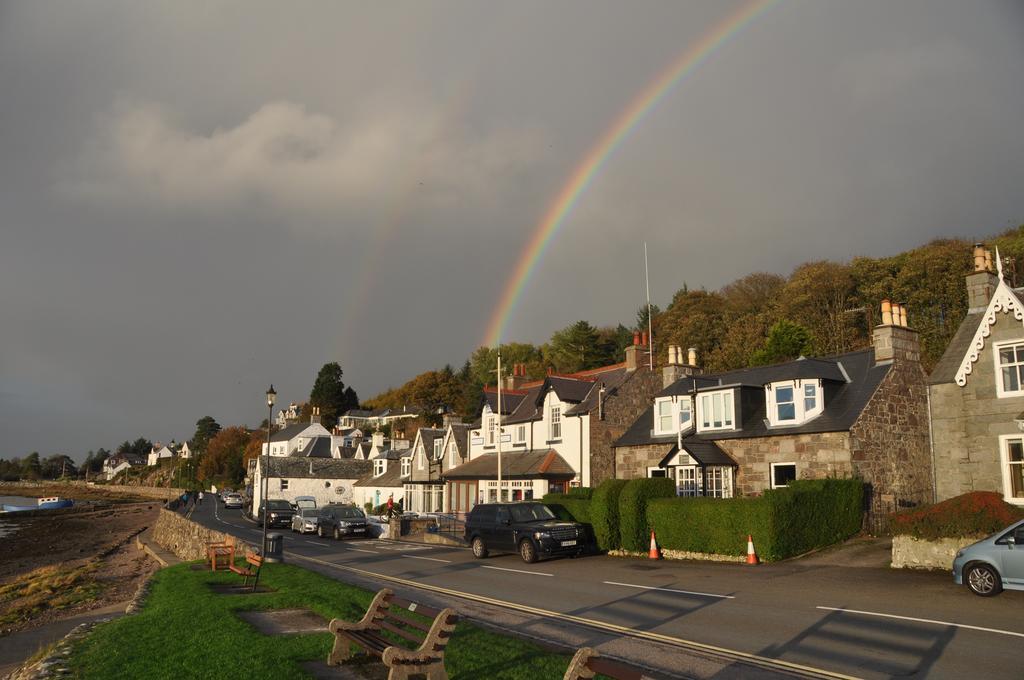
(995, 563)
(305, 520)
(232, 500)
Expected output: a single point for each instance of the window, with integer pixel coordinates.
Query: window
(1013, 469)
(490, 430)
(284, 485)
(437, 448)
(785, 409)
(688, 479)
(657, 472)
(420, 455)
(521, 434)
(810, 397)
(380, 466)
(782, 474)
(406, 466)
(453, 451)
(716, 410)
(685, 414)
(664, 415)
(719, 482)
(556, 422)
(1010, 367)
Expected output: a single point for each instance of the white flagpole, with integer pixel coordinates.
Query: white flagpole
(500, 494)
(650, 327)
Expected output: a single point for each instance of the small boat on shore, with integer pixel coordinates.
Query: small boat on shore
(51, 503)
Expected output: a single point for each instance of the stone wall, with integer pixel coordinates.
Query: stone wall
(968, 421)
(912, 553)
(621, 409)
(816, 456)
(890, 444)
(631, 462)
(187, 539)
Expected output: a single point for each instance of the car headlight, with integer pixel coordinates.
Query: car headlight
(541, 534)
(273, 515)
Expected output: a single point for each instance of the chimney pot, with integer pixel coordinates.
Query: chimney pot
(988, 260)
(692, 356)
(903, 315)
(643, 339)
(886, 313)
(895, 314)
(672, 355)
(979, 257)
(636, 338)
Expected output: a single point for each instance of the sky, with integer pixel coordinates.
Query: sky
(200, 199)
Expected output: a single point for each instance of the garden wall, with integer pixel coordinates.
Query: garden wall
(186, 539)
(914, 553)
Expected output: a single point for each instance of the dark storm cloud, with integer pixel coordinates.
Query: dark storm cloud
(201, 199)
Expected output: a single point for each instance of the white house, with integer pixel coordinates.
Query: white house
(329, 480)
(295, 438)
(184, 451)
(159, 452)
(389, 470)
(117, 463)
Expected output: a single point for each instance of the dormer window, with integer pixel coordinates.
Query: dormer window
(685, 414)
(793, 402)
(406, 466)
(437, 448)
(665, 416)
(715, 411)
(380, 466)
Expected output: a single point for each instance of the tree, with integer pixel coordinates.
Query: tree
(786, 341)
(206, 429)
(224, 455)
(330, 394)
(57, 465)
(574, 348)
(31, 468)
(139, 447)
(644, 312)
(484, 361)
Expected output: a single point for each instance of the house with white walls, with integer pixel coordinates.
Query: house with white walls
(328, 480)
(159, 452)
(119, 462)
(386, 477)
(297, 437)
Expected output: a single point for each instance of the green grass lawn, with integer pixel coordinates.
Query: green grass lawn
(186, 631)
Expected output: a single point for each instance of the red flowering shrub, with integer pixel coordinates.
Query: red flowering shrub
(978, 513)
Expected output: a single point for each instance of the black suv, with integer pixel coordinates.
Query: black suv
(279, 513)
(341, 520)
(530, 529)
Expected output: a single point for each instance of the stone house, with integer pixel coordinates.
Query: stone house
(424, 488)
(741, 432)
(977, 391)
(329, 480)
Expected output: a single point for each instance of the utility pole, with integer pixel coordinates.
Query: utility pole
(501, 494)
(650, 325)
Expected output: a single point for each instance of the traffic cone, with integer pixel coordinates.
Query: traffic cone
(654, 554)
(751, 555)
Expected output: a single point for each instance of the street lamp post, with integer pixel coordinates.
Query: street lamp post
(271, 396)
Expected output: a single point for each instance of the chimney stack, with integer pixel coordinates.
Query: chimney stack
(315, 417)
(676, 369)
(982, 282)
(636, 354)
(892, 339)
(518, 377)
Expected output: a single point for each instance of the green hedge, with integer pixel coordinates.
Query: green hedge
(634, 528)
(568, 507)
(604, 514)
(584, 492)
(807, 514)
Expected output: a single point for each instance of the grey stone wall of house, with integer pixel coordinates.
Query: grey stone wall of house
(816, 456)
(621, 410)
(631, 462)
(889, 443)
(968, 421)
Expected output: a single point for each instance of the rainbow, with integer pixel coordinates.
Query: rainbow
(598, 155)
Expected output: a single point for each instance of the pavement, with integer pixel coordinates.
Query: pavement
(816, 617)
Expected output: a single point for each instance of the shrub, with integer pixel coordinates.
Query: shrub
(978, 513)
(604, 514)
(568, 507)
(634, 529)
(584, 492)
(807, 514)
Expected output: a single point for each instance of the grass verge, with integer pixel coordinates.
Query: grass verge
(184, 630)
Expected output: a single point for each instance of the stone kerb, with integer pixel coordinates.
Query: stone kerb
(186, 539)
(913, 553)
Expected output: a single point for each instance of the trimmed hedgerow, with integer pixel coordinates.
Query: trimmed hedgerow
(565, 506)
(604, 513)
(584, 492)
(978, 513)
(634, 529)
(807, 514)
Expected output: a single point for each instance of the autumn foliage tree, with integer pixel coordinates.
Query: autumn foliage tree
(224, 455)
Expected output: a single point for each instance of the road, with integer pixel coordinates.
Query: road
(858, 622)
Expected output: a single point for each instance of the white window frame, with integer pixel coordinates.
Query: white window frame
(665, 410)
(1001, 392)
(555, 423)
(771, 474)
(453, 454)
(491, 430)
(380, 466)
(685, 425)
(406, 466)
(1004, 467)
(801, 414)
(438, 451)
(714, 490)
(706, 424)
(689, 481)
(521, 434)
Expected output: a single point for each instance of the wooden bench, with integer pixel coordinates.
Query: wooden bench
(221, 554)
(587, 663)
(248, 570)
(427, 659)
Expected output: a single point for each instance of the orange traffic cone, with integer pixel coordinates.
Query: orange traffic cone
(751, 555)
(654, 554)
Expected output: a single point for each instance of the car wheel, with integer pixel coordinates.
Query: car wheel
(337, 534)
(320, 531)
(983, 580)
(528, 551)
(479, 549)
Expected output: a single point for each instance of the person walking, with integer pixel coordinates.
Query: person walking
(200, 498)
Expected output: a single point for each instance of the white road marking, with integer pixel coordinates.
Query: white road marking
(911, 618)
(670, 590)
(372, 552)
(326, 545)
(518, 571)
(432, 559)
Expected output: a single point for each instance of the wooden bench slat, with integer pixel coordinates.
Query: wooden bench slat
(419, 625)
(421, 609)
(614, 669)
(402, 632)
(368, 640)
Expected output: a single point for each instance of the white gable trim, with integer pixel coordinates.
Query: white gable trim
(1003, 301)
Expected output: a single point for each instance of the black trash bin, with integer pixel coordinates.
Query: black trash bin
(275, 548)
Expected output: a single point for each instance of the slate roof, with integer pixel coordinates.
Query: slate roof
(706, 453)
(317, 468)
(345, 452)
(318, 447)
(535, 464)
(510, 401)
(611, 380)
(289, 432)
(572, 390)
(956, 350)
(842, 406)
(460, 432)
(392, 477)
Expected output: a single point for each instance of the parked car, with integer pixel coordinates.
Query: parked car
(341, 520)
(304, 502)
(232, 500)
(993, 564)
(530, 529)
(305, 520)
(279, 513)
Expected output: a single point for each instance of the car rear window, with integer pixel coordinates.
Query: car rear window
(279, 505)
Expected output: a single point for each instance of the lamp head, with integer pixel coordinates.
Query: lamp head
(271, 396)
